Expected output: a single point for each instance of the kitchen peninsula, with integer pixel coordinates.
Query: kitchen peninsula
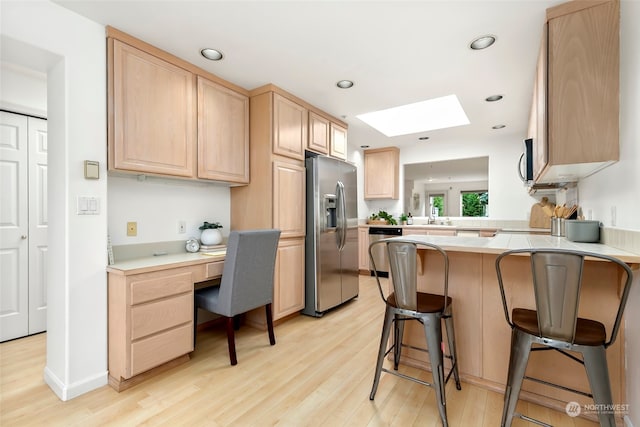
(482, 334)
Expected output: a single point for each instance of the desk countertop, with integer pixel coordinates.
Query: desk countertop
(161, 262)
(503, 242)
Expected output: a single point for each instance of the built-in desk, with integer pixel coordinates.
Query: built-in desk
(482, 333)
(150, 307)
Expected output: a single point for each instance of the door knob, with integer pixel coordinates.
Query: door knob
(23, 237)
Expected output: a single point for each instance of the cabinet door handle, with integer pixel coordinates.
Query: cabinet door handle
(23, 237)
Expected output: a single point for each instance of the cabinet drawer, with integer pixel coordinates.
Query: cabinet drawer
(214, 269)
(150, 287)
(154, 317)
(158, 349)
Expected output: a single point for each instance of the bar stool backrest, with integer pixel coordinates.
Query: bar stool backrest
(402, 256)
(402, 266)
(556, 282)
(557, 279)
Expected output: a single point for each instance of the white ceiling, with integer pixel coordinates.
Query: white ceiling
(396, 52)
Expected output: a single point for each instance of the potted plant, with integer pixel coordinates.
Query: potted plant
(211, 234)
(403, 219)
(382, 217)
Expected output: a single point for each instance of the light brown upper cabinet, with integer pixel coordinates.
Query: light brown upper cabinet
(152, 126)
(338, 141)
(289, 199)
(381, 169)
(327, 137)
(582, 91)
(289, 127)
(318, 134)
(538, 119)
(223, 133)
(168, 117)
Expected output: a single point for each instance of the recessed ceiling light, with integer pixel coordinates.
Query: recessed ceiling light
(424, 116)
(423, 138)
(493, 98)
(364, 146)
(344, 84)
(482, 42)
(498, 127)
(212, 54)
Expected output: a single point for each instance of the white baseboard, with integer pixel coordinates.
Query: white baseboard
(65, 392)
(54, 383)
(627, 421)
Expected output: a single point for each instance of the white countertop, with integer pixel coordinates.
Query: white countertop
(504, 242)
(183, 259)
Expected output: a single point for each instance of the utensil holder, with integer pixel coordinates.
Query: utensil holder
(557, 227)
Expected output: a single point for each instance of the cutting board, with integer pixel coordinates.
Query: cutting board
(541, 214)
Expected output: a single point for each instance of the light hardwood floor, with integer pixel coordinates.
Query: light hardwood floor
(318, 374)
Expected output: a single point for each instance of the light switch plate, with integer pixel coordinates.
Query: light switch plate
(91, 169)
(87, 205)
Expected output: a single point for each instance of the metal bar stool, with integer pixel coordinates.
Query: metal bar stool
(555, 325)
(405, 303)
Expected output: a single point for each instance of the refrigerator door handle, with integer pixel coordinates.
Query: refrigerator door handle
(341, 228)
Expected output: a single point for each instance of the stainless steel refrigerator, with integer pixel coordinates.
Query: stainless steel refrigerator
(331, 251)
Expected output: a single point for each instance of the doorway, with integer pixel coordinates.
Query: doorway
(23, 225)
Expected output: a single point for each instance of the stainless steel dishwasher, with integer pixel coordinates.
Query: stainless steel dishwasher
(379, 254)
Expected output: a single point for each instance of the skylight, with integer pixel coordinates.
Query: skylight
(436, 113)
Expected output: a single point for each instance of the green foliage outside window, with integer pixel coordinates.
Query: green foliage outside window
(438, 202)
(475, 204)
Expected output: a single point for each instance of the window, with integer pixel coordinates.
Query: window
(436, 203)
(475, 203)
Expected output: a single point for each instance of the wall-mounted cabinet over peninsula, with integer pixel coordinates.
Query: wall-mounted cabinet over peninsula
(168, 117)
(381, 173)
(574, 119)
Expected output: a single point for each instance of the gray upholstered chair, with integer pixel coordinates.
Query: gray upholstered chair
(406, 303)
(246, 284)
(555, 325)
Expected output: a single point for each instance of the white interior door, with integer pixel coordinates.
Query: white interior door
(14, 227)
(38, 223)
(23, 225)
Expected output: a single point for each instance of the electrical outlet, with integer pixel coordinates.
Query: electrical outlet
(132, 229)
(182, 227)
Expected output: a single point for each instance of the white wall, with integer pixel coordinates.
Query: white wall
(508, 197)
(619, 186)
(75, 52)
(158, 204)
(23, 90)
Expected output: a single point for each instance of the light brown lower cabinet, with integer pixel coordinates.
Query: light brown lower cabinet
(288, 285)
(289, 275)
(151, 318)
(363, 250)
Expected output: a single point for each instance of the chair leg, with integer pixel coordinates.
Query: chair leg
(232, 341)
(433, 332)
(595, 363)
(237, 320)
(451, 338)
(398, 332)
(272, 337)
(386, 329)
(518, 358)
